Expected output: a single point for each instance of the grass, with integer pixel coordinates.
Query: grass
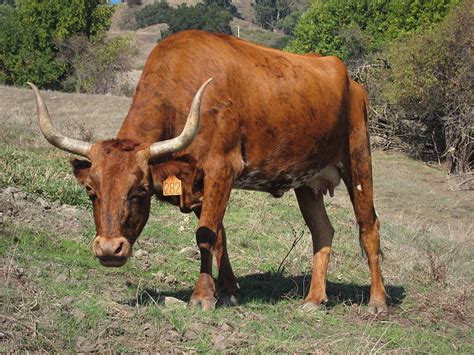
(41, 171)
(56, 297)
(256, 34)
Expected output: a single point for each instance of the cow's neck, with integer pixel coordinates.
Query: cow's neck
(147, 126)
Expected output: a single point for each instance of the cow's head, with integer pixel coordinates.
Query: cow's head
(119, 179)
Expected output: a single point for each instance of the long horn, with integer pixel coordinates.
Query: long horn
(52, 135)
(189, 132)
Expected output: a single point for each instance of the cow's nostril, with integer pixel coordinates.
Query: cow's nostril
(119, 249)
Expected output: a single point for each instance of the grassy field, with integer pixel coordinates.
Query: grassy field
(56, 297)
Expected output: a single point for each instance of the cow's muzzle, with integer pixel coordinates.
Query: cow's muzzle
(111, 251)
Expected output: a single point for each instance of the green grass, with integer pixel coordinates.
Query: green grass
(58, 298)
(43, 171)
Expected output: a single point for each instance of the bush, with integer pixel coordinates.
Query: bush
(200, 17)
(428, 89)
(226, 5)
(31, 32)
(287, 24)
(159, 12)
(324, 27)
(269, 12)
(208, 16)
(95, 67)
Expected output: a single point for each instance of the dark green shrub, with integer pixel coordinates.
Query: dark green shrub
(30, 34)
(428, 89)
(269, 12)
(226, 5)
(159, 12)
(208, 16)
(200, 17)
(96, 66)
(324, 27)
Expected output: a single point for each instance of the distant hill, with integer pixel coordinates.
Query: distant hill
(146, 38)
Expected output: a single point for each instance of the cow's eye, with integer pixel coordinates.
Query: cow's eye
(139, 192)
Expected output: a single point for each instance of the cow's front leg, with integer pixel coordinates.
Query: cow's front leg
(217, 187)
(226, 282)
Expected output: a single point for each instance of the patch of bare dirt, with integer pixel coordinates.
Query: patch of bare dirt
(19, 207)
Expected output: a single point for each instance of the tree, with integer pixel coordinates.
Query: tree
(429, 85)
(200, 17)
(269, 12)
(324, 27)
(211, 16)
(95, 65)
(30, 34)
(159, 12)
(226, 5)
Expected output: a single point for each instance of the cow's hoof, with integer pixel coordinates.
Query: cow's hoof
(377, 308)
(227, 300)
(309, 306)
(207, 304)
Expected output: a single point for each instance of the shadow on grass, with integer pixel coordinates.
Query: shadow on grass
(271, 288)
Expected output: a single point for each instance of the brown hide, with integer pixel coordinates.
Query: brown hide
(276, 117)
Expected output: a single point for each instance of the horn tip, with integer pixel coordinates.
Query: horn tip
(33, 86)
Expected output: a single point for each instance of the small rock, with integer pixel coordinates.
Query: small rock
(190, 252)
(85, 346)
(219, 342)
(159, 276)
(140, 252)
(170, 280)
(78, 314)
(190, 335)
(10, 191)
(181, 228)
(174, 302)
(172, 335)
(61, 278)
(226, 327)
(20, 195)
(158, 259)
(43, 203)
(3, 336)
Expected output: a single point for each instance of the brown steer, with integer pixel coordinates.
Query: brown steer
(270, 121)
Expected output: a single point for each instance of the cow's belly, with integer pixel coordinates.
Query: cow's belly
(319, 180)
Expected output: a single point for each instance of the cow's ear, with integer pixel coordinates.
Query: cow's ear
(81, 169)
(182, 170)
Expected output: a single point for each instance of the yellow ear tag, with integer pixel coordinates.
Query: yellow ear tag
(172, 186)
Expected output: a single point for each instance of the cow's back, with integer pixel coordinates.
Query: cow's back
(284, 111)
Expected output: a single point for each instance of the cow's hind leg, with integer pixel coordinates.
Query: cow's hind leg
(322, 232)
(357, 176)
(369, 239)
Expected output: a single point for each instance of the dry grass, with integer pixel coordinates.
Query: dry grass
(86, 115)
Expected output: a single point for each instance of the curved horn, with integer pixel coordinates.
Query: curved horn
(52, 135)
(189, 132)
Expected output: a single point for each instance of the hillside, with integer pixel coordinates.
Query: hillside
(146, 38)
(55, 297)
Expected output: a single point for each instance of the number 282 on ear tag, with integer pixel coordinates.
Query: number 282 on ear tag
(172, 186)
